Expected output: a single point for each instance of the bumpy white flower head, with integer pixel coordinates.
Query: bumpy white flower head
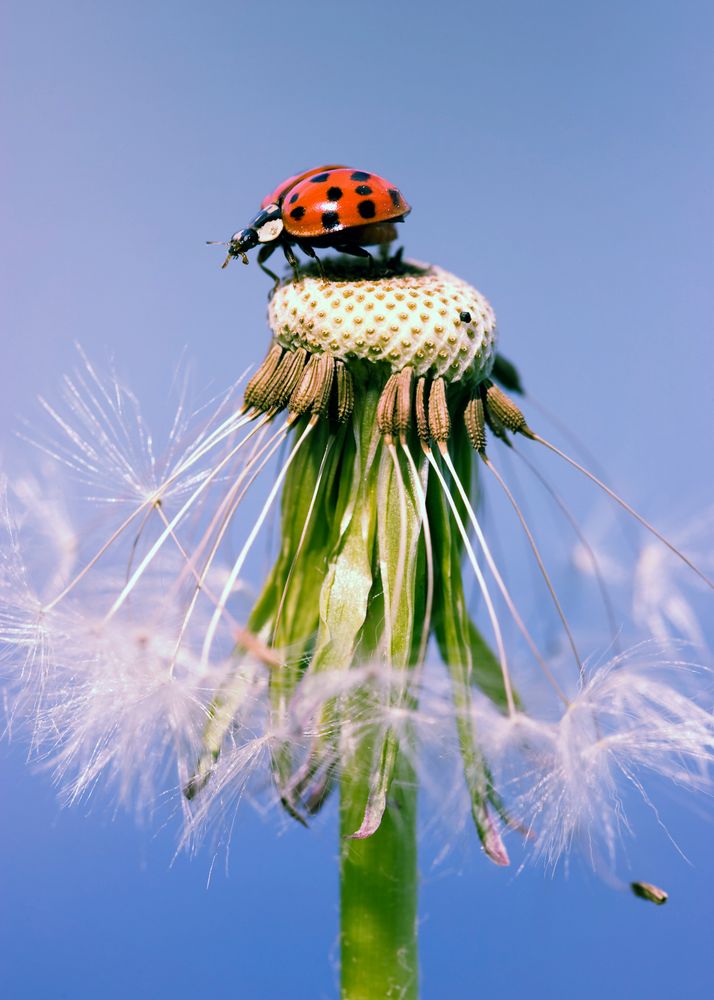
(425, 318)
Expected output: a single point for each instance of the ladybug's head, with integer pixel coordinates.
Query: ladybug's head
(266, 227)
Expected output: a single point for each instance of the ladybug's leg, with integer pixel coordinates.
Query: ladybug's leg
(395, 261)
(292, 260)
(354, 251)
(263, 254)
(310, 251)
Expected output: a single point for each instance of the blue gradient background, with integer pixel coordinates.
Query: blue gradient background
(561, 156)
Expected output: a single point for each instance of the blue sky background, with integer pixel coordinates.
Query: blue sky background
(558, 155)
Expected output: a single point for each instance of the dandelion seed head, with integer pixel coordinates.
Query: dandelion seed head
(424, 318)
(139, 668)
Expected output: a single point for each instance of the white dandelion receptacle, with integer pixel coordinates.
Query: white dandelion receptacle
(424, 318)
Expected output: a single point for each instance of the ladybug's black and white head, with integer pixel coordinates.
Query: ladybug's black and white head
(268, 224)
(266, 227)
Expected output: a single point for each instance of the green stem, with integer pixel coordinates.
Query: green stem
(378, 887)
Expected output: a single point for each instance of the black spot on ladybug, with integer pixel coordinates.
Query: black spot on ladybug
(363, 189)
(360, 175)
(319, 178)
(330, 220)
(297, 213)
(367, 209)
(396, 197)
(334, 193)
(465, 317)
(294, 199)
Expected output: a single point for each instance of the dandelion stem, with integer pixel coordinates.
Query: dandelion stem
(378, 892)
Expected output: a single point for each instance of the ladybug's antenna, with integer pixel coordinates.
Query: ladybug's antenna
(225, 243)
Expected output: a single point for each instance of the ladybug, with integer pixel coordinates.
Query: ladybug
(332, 206)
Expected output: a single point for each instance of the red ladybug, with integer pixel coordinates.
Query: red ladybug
(330, 206)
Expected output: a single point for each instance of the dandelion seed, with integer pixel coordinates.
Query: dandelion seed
(652, 893)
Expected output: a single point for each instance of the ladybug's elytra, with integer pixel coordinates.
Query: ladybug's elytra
(332, 206)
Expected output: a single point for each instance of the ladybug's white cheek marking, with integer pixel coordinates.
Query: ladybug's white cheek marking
(270, 231)
(410, 319)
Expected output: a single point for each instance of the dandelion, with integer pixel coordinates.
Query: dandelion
(138, 661)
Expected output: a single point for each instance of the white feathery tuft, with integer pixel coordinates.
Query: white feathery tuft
(98, 433)
(112, 696)
(102, 636)
(567, 780)
(120, 708)
(663, 594)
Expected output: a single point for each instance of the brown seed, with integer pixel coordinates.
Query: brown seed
(439, 420)
(302, 396)
(323, 385)
(254, 394)
(345, 392)
(476, 423)
(504, 409)
(386, 406)
(652, 893)
(403, 412)
(285, 377)
(420, 409)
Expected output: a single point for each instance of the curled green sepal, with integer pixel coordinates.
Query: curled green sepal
(221, 715)
(379, 787)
